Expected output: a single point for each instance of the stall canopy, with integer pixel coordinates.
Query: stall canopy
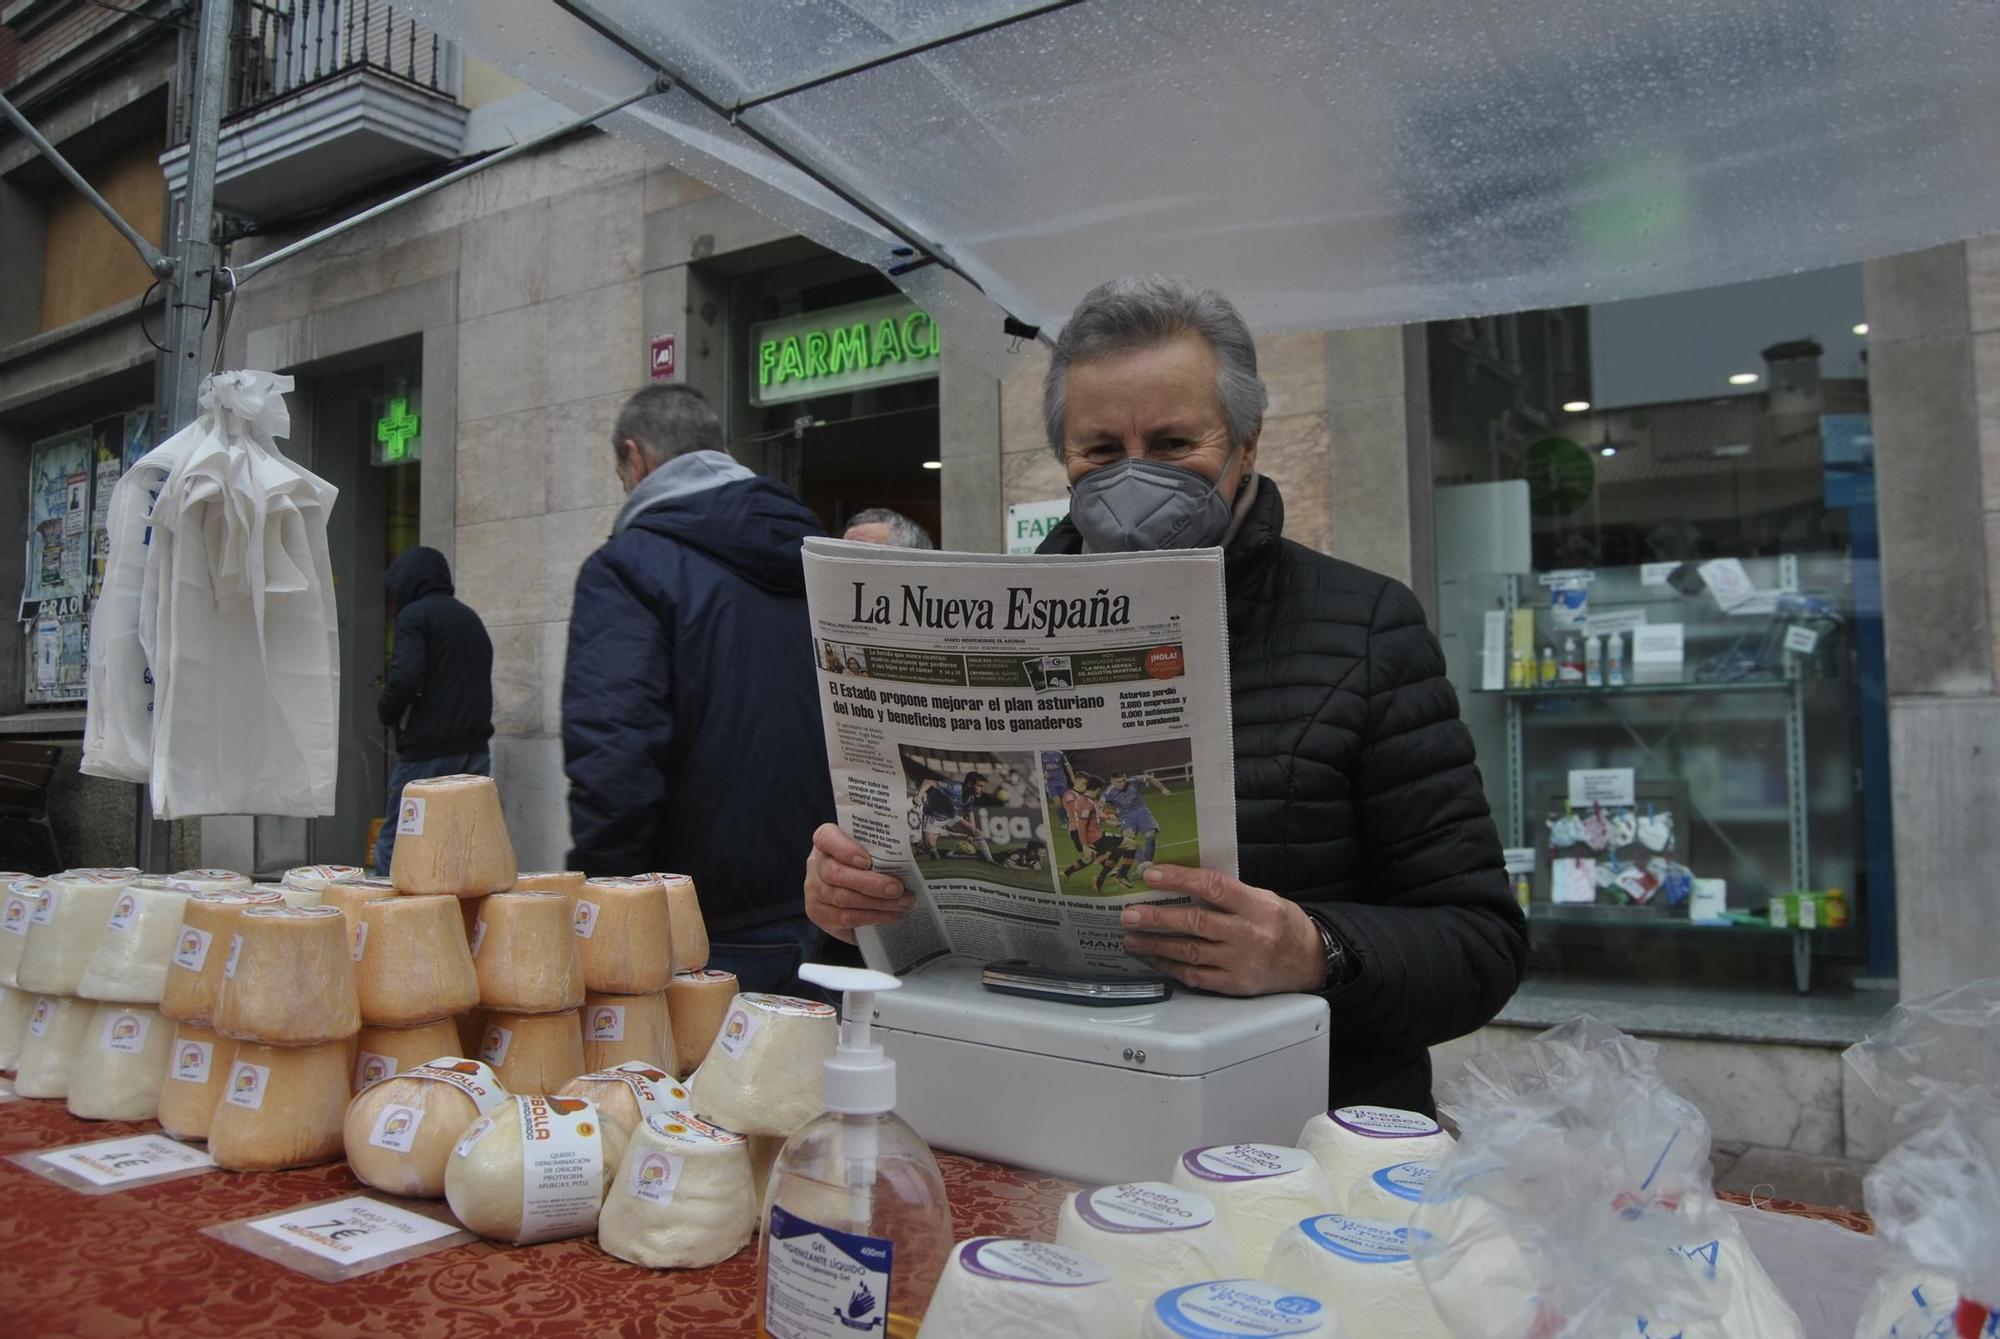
(1328, 163)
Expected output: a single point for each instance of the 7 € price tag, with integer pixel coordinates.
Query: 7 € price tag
(341, 1239)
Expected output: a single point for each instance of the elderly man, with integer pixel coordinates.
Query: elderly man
(879, 525)
(1371, 870)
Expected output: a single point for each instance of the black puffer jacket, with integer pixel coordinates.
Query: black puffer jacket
(1357, 797)
(441, 671)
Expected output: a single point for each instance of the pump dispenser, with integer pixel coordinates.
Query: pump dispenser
(855, 1223)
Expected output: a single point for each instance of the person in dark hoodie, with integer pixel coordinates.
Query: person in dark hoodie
(439, 694)
(691, 722)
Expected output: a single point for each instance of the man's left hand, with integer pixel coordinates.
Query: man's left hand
(1234, 939)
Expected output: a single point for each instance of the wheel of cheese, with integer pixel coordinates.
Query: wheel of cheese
(194, 972)
(534, 1170)
(58, 1026)
(318, 878)
(290, 896)
(382, 1051)
(526, 954)
(64, 931)
(567, 881)
(16, 1006)
(618, 1028)
(411, 962)
(1259, 1190)
(690, 930)
(282, 1106)
(534, 1054)
(626, 1094)
(697, 1002)
(19, 905)
(996, 1287)
(682, 1198)
(288, 979)
(1363, 1267)
(1250, 1308)
(123, 1064)
(140, 936)
(209, 881)
(762, 1074)
(451, 838)
(198, 1070)
(400, 1133)
(1353, 1142)
(1153, 1236)
(1391, 1194)
(625, 936)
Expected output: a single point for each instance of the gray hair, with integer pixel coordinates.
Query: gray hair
(667, 421)
(904, 533)
(1141, 311)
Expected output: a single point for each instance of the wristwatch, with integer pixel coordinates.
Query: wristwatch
(1340, 964)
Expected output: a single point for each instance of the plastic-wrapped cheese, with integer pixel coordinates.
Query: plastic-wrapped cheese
(762, 1074)
(400, 1133)
(288, 979)
(282, 1106)
(1259, 1190)
(534, 1170)
(1352, 1142)
(64, 931)
(1247, 1307)
(682, 1198)
(140, 936)
(624, 934)
(16, 1007)
(690, 930)
(382, 1051)
(628, 1093)
(1364, 1268)
(124, 1061)
(451, 838)
(533, 1053)
(1391, 1194)
(618, 1028)
(697, 1002)
(318, 878)
(1153, 1236)
(997, 1288)
(58, 1027)
(23, 898)
(194, 972)
(411, 963)
(1914, 1304)
(526, 954)
(209, 881)
(198, 1070)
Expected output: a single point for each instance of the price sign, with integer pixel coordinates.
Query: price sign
(117, 1164)
(341, 1239)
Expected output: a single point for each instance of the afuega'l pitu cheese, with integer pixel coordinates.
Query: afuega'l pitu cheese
(19, 904)
(64, 930)
(526, 954)
(998, 1288)
(1364, 1268)
(533, 1053)
(618, 1028)
(350, 895)
(288, 978)
(411, 962)
(1352, 1142)
(198, 1069)
(536, 1169)
(194, 972)
(54, 1038)
(1153, 1236)
(1391, 1194)
(624, 935)
(697, 1002)
(126, 1049)
(566, 881)
(682, 1197)
(626, 1094)
(380, 1052)
(318, 878)
(16, 1007)
(282, 1106)
(451, 838)
(209, 881)
(1259, 1190)
(140, 935)
(400, 1133)
(690, 930)
(290, 896)
(1250, 1308)
(762, 1074)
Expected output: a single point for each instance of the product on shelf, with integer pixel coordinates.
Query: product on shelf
(411, 963)
(400, 1133)
(58, 1026)
(118, 1074)
(682, 1196)
(762, 1074)
(1354, 1142)
(534, 1054)
(198, 1069)
(526, 954)
(996, 1287)
(624, 935)
(288, 979)
(137, 943)
(1258, 1189)
(1363, 1267)
(451, 838)
(194, 972)
(1153, 1236)
(697, 1002)
(629, 1093)
(282, 1106)
(382, 1051)
(618, 1028)
(536, 1169)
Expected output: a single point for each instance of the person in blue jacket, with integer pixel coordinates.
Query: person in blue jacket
(691, 720)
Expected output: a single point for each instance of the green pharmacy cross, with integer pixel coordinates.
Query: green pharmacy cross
(397, 428)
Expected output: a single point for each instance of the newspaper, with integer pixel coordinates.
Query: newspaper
(1017, 738)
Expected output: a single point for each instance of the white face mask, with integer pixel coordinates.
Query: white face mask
(1139, 506)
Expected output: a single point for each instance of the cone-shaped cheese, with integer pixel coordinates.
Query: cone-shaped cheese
(535, 1054)
(210, 881)
(58, 1027)
(19, 904)
(1392, 1193)
(629, 1093)
(139, 940)
(534, 1170)
(122, 1065)
(1356, 1142)
(382, 1051)
(1364, 1269)
(411, 964)
(282, 1106)
(292, 979)
(526, 954)
(682, 1198)
(568, 881)
(451, 838)
(624, 933)
(64, 931)
(995, 1286)
(290, 896)
(400, 1133)
(198, 1071)
(697, 1002)
(1248, 1307)
(1153, 1236)
(690, 930)
(762, 1074)
(618, 1028)
(318, 878)
(16, 1007)
(194, 972)
(1259, 1190)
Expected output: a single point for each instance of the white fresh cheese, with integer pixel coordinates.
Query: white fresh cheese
(1241, 1307)
(15, 1008)
(58, 1026)
(1914, 1304)
(64, 932)
(762, 1072)
(1258, 1189)
(1352, 1142)
(123, 1064)
(1153, 1236)
(1391, 1194)
(1363, 1267)
(682, 1198)
(20, 900)
(998, 1288)
(534, 1169)
(137, 946)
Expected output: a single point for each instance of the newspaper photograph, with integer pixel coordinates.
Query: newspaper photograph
(1017, 738)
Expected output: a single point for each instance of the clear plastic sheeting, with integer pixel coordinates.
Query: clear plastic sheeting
(1325, 163)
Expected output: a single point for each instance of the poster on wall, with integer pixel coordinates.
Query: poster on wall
(58, 521)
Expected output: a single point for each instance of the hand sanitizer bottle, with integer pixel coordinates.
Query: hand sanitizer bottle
(856, 1228)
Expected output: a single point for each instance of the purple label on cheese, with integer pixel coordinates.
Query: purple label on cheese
(1244, 1162)
(1144, 1206)
(1385, 1122)
(1037, 1262)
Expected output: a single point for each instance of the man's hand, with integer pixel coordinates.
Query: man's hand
(1234, 940)
(842, 892)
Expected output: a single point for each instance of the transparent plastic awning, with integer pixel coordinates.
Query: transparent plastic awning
(1327, 164)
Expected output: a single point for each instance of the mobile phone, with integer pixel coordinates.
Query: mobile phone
(1018, 976)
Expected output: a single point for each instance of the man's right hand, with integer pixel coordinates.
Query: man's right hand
(842, 892)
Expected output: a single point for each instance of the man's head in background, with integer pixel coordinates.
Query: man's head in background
(659, 423)
(879, 525)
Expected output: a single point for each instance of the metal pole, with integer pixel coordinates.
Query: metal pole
(157, 263)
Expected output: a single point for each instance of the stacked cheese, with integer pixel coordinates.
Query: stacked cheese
(531, 989)
(21, 897)
(690, 930)
(697, 1002)
(124, 1062)
(400, 1133)
(63, 933)
(762, 1075)
(451, 838)
(200, 1060)
(624, 940)
(380, 1052)
(414, 976)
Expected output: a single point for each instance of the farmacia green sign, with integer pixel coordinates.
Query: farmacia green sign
(875, 343)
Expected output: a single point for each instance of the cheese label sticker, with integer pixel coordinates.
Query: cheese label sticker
(655, 1090)
(360, 938)
(247, 1085)
(1358, 1239)
(410, 817)
(1144, 1206)
(191, 1061)
(1245, 1162)
(192, 951)
(1385, 1122)
(605, 1022)
(1405, 1180)
(791, 1006)
(474, 1132)
(1237, 1306)
(682, 1128)
(353, 1229)
(396, 1128)
(370, 1069)
(38, 1021)
(654, 1176)
(1031, 1262)
(586, 919)
(562, 1167)
(124, 1033)
(46, 912)
(478, 935)
(736, 1031)
(475, 1080)
(109, 1162)
(122, 913)
(235, 950)
(14, 919)
(494, 1049)
(705, 974)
